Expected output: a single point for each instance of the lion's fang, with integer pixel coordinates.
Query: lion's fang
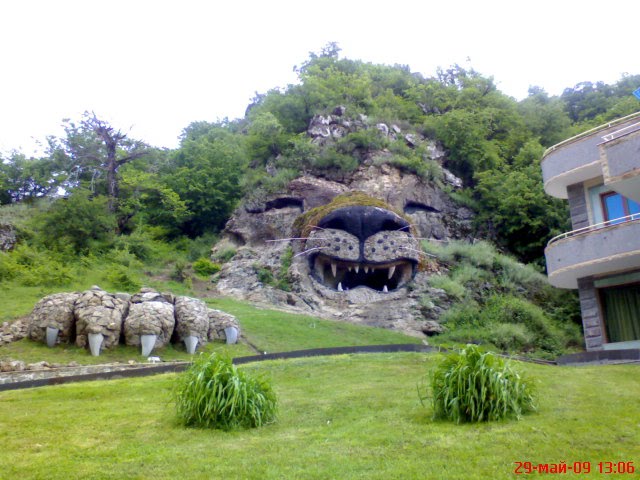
(340, 287)
(392, 270)
(385, 289)
(334, 269)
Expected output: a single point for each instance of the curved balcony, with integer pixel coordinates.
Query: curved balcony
(601, 249)
(578, 158)
(620, 160)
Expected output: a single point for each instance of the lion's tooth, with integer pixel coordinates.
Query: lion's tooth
(350, 267)
(385, 289)
(340, 287)
(334, 269)
(366, 269)
(357, 267)
(392, 270)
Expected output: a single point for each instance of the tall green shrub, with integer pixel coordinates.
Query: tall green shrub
(473, 386)
(213, 393)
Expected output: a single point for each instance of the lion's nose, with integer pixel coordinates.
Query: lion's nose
(364, 221)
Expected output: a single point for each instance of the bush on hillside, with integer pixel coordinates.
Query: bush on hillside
(205, 267)
(31, 267)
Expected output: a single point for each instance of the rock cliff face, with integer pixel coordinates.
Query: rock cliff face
(336, 271)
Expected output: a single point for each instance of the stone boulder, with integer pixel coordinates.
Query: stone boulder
(99, 312)
(12, 366)
(219, 324)
(150, 313)
(12, 332)
(56, 312)
(192, 319)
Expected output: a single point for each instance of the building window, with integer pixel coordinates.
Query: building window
(621, 307)
(615, 207)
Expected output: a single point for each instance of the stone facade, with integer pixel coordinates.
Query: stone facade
(578, 206)
(591, 315)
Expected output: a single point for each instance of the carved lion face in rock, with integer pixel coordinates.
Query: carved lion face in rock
(358, 242)
(355, 245)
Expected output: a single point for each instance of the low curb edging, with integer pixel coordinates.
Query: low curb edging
(133, 371)
(55, 377)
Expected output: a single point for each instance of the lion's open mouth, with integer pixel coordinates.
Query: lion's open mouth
(344, 275)
(362, 247)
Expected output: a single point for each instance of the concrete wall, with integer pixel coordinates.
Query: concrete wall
(578, 153)
(592, 318)
(601, 252)
(623, 155)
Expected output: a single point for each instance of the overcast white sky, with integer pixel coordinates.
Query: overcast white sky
(151, 67)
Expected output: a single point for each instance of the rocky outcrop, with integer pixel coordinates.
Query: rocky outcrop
(7, 237)
(431, 210)
(383, 279)
(99, 320)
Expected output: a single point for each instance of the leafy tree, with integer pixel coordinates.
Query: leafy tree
(467, 137)
(146, 199)
(205, 172)
(514, 203)
(24, 179)
(265, 138)
(5, 188)
(545, 117)
(587, 100)
(80, 222)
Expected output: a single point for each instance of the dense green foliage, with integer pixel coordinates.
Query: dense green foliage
(472, 386)
(501, 303)
(214, 393)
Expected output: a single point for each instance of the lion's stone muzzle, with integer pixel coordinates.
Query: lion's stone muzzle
(362, 246)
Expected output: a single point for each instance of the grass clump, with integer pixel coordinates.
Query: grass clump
(213, 393)
(473, 386)
(452, 287)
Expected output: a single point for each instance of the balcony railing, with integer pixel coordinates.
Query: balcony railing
(621, 133)
(592, 228)
(588, 133)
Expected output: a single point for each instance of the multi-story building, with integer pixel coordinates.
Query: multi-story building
(599, 173)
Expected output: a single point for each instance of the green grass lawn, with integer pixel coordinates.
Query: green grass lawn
(345, 417)
(276, 331)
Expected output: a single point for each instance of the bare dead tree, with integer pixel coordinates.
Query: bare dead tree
(118, 150)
